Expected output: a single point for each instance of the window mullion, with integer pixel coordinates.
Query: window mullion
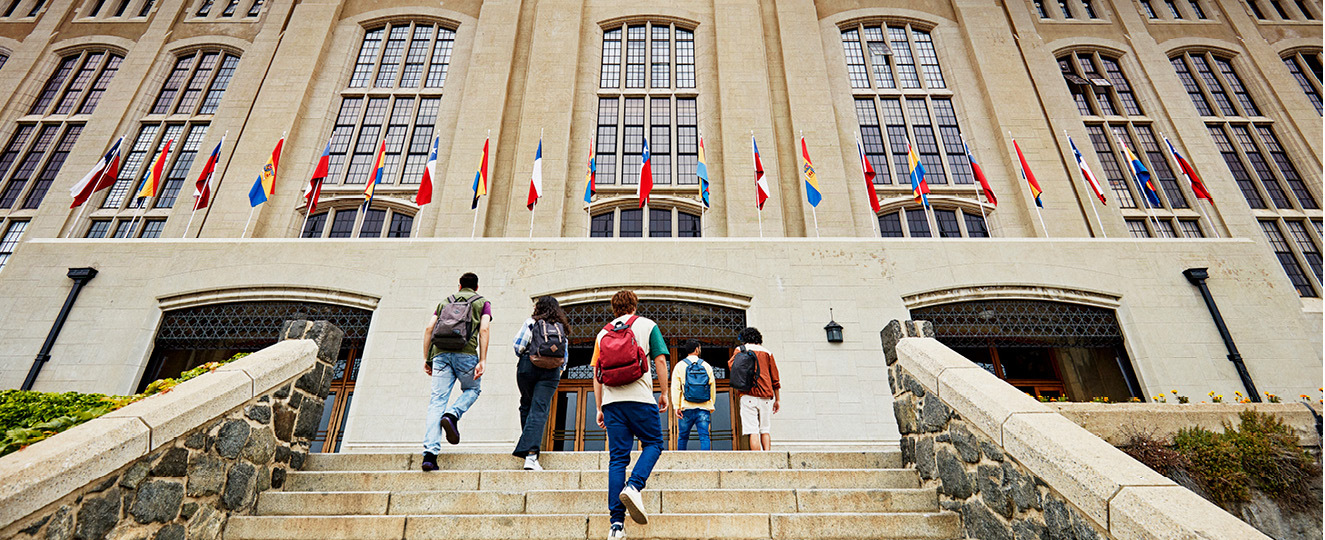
(1275, 171)
(1215, 109)
(915, 58)
(65, 84)
(1252, 173)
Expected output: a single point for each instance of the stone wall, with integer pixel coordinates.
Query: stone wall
(187, 486)
(1016, 470)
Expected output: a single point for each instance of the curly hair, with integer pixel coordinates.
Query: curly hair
(546, 308)
(750, 335)
(624, 303)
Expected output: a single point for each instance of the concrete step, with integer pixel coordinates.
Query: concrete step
(598, 460)
(731, 501)
(878, 526)
(517, 481)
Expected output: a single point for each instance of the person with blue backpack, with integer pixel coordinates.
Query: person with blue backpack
(693, 389)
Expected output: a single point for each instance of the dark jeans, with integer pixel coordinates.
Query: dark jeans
(537, 388)
(625, 421)
(697, 418)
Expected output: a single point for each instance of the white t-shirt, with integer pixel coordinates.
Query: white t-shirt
(642, 389)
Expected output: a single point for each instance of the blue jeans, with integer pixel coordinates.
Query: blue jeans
(698, 418)
(448, 369)
(625, 421)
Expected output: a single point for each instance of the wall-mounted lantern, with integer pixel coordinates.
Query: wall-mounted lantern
(833, 329)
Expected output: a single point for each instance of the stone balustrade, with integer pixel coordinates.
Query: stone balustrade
(177, 464)
(1015, 468)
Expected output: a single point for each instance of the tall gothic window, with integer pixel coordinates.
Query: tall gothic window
(43, 138)
(179, 115)
(393, 94)
(1270, 182)
(902, 97)
(1112, 113)
(1305, 67)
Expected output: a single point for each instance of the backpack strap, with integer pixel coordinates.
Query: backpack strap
(631, 320)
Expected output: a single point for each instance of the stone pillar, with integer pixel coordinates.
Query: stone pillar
(896, 330)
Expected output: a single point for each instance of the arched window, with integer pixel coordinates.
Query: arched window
(376, 222)
(1112, 113)
(915, 222)
(656, 98)
(44, 137)
(393, 94)
(3, 58)
(1259, 163)
(1305, 67)
(179, 115)
(901, 97)
(662, 222)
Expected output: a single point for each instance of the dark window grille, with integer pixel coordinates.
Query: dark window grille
(249, 326)
(1022, 323)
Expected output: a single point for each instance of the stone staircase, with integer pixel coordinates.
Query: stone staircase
(744, 495)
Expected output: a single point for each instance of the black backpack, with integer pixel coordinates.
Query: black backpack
(547, 346)
(744, 370)
(455, 323)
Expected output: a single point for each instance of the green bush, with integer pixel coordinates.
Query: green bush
(1260, 452)
(28, 417)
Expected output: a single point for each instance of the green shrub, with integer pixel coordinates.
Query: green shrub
(1260, 452)
(20, 408)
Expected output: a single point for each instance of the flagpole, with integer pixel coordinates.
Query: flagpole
(250, 220)
(73, 227)
(1091, 196)
(976, 185)
(1199, 208)
(1145, 198)
(759, 208)
(874, 218)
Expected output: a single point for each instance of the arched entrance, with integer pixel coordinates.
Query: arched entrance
(573, 424)
(1047, 349)
(192, 336)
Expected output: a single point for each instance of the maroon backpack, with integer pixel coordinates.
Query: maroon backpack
(621, 361)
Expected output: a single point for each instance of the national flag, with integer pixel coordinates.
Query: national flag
(429, 173)
(1086, 172)
(1198, 187)
(1142, 176)
(100, 177)
(1029, 176)
(379, 169)
(702, 170)
(481, 175)
(313, 191)
(919, 187)
(266, 183)
(812, 193)
(535, 179)
(761, 185)
(980, 176)
(868, 170)
(645, 185)
(590, 176)
(153, 181)
(202, 189)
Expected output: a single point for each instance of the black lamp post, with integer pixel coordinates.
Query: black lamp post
(833, 329)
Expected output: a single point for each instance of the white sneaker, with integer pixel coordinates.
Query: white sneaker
(531, 463)
(618, 531)
(634, 504)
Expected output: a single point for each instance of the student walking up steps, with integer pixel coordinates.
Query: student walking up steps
(623, 394)
(455, 346)
(693, 389)
(543, 349)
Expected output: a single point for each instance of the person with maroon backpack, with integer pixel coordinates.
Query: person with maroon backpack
(455, 348)
(623, 393)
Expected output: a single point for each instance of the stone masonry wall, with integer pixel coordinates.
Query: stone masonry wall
(190, 486)
(997, 498)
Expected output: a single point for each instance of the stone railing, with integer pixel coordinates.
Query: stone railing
(177, 464)
(1014, 468)
(1114, 422)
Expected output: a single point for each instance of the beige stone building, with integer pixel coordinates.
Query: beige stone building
(1083, 298)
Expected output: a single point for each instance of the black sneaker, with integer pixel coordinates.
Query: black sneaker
(450, 425)
(429, 462)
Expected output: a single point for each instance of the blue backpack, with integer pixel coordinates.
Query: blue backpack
(697, 388)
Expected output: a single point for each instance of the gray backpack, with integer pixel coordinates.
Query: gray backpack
(455, 323)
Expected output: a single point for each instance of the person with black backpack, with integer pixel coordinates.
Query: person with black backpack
(754, 375)
(693, 389)
(455, 346)
(627, 410)
(543, 347)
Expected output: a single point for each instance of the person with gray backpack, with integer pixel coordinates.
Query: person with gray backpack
(693, 390)
(543, 347)
(455, 348)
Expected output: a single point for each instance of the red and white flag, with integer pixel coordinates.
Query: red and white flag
(1086, 172)
(429, 172)
(868, 170)
(313, 191)
(645, 186)
(100, 177)
(761, 185)
(202, 190)
(536, 179)
(1198, 187)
